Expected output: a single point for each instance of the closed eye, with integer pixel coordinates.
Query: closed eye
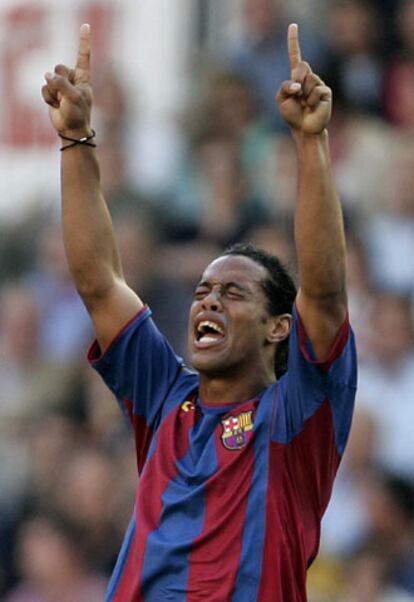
(231, 291)
(235, 291)
(234, 294)
(200, 292)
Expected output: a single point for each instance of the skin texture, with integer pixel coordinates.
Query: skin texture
(305, 103)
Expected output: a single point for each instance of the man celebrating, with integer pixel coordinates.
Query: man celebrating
(236, 467)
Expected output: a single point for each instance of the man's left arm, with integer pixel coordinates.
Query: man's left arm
(306, 103)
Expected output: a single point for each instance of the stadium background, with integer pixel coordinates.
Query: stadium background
(194, 157)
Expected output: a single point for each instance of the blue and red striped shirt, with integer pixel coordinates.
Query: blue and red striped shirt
(230, 497)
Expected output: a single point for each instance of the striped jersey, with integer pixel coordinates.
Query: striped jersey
(230, 497)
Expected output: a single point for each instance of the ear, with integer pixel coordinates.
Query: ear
(278, 328)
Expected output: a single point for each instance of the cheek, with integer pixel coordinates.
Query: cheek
(250, 329)
(191, 315)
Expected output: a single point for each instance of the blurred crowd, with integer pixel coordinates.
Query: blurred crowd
(68, 470)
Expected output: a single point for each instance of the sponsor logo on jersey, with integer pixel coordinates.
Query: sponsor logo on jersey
(237, 430)
(187, 406)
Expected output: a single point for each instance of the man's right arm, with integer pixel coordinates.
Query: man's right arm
(90, 244)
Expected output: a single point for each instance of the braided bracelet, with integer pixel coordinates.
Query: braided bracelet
(85, 141)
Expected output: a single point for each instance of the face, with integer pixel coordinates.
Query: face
(229, 325)
(262, 15)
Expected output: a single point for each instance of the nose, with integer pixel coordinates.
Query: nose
(212, 301)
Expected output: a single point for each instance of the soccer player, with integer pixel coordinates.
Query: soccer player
(236, 465)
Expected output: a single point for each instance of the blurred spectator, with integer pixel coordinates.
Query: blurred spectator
(390, 501)
(119, 193)
(222, 207)
(379, 565)
(390, 232)
(139, 242)
(29, 385)
(89, 477)
(18, 244)
(360, 291)
(53, 565)
(51, 437)
(20, 345)
(386, 381)
(65, 326)
(19, 328)
(29, 381)
(278, 177)
(110, 100)
(227, 209)
(367, 578)
(229, 110)
(112, 122)
(261, 55)
(398, 96)
(346, 520)
(355, 69)
(228, 107)
(361, 165)
(275, 237)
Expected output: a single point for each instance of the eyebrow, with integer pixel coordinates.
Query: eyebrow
(228, 285)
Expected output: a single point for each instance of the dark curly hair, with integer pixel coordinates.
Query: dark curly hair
(280, 291)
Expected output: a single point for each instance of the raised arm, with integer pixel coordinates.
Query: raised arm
(90, 245)
(305, 103)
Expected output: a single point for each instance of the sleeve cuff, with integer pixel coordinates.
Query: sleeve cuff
(95, 353)
(336, 349)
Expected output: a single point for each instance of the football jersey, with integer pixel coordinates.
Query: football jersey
(230, 497)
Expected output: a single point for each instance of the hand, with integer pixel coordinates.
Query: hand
(305, 102)
(68, 92)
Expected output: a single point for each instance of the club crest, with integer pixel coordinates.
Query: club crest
(237, 430)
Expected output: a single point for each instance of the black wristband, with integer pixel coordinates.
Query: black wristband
(86, 141)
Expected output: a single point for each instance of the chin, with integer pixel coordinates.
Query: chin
(207, 363)
(215, 364)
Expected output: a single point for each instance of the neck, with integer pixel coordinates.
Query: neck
(225, 389)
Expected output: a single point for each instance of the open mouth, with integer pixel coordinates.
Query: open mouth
(209, 333)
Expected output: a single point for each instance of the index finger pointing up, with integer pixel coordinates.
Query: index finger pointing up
(293, 45)
(84, 54)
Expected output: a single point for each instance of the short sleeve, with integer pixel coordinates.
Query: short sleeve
(309, 383)
(139, 367)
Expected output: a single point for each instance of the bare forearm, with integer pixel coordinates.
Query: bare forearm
(319, 231)
(90, 245)
(87, 228)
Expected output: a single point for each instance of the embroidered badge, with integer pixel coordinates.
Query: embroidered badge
(237, 430)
